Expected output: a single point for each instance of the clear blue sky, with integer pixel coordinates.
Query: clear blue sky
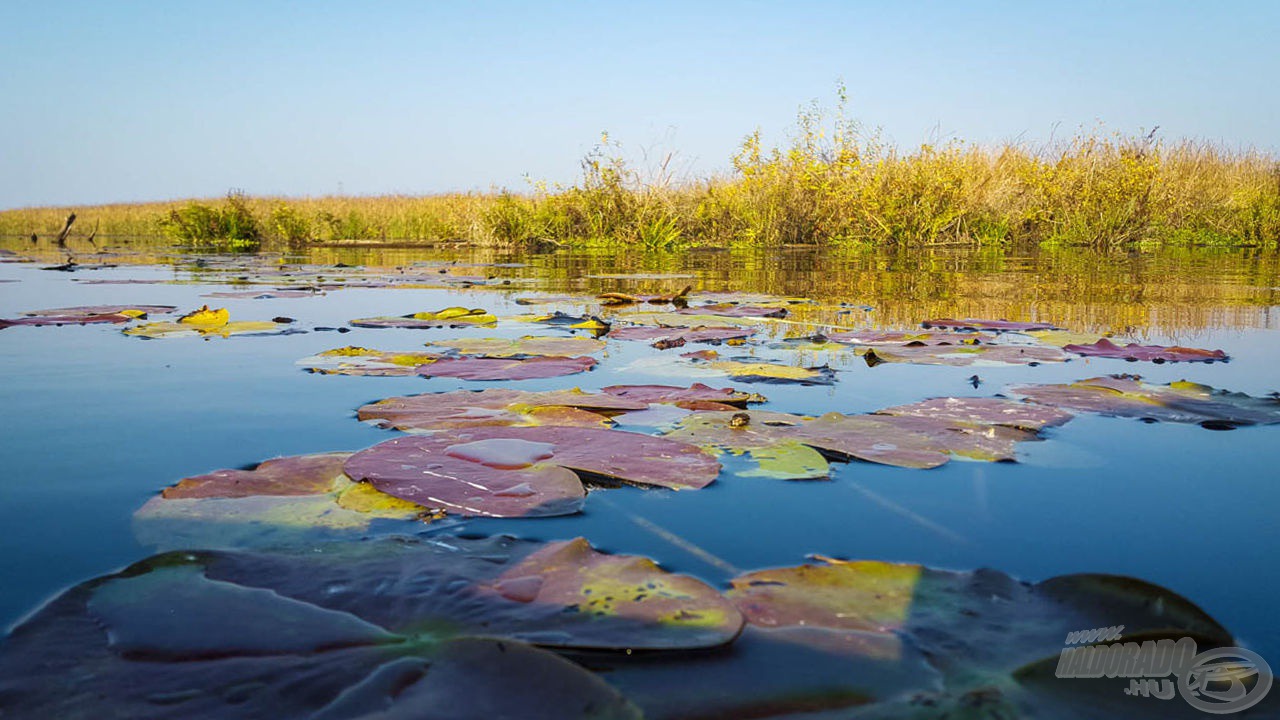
(106, 101)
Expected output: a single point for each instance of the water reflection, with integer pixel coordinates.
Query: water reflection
(1169, 293)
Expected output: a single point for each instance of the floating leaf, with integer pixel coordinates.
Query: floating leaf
(984, 411)
(497, 407)
(206, 317)
(524, 471)
(453, 474)
(154, 641)
(962, 355)
(271, 504)
(989, 634)
(735, 311)
(473, 368)
(679, 611)
(696, 393)
(997, 325)
(772, 372)
(615, 298)
(676, 336)
(296, 475)
(1151, 353)
(131, 311)
(264, 294)
(928, 337)
(450, 317)
(527, 345)
(58, 320)
(352, 360)
(159, 330)
(1184, 402)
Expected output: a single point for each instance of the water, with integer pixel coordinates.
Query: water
(96, 423)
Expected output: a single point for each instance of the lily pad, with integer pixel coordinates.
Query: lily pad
(682, 396)
(452, 317)
(616, 298)
(993, 638)
(58, 320)
(154, 641)
(996, 325)
(283, 501)
(764, 372)
(352, 360)
(483, 368)
(208, 322)
(1182, 401)
(894, 337)
(917, 441)
(132, 311)
(523, 346)
(962, 355)
(984, 411)
(1150, 353)
(524, 471)
(264, 294)
(735, 311)
(296, 475)
(497, 407)
(675, 336)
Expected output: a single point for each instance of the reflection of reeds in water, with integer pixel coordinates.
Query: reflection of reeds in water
(1169, 291)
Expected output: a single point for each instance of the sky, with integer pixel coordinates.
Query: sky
(130, 101)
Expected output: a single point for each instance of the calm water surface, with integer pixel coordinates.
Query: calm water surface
(95, 423)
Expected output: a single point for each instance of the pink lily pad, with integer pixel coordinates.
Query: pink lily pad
(58, 320)
(92, 310)
(296, 475)
(497, 407)
(1184, 402)
(675, 336)
(490, 369)
(676, 395)
(962, 355)
(891, 337)
(984, 411)
(1151, 353)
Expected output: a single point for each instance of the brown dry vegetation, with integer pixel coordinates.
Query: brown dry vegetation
(831, 184)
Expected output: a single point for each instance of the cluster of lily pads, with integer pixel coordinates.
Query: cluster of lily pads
(270, 621)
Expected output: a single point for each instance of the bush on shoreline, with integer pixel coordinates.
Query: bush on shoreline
(831, 184)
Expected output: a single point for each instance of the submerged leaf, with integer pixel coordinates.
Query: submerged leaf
(1151, 353)
(985, 631)
(154, 641)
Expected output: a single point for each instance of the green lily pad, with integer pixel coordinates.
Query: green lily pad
(352, 360)
(165, 638)
(765, 372)
(1182, 401)
(528, 345)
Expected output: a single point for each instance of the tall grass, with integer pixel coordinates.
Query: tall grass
(831, 183)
